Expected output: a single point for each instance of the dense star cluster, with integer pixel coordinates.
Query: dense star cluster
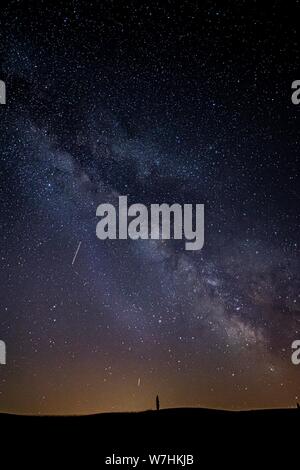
(185, 102)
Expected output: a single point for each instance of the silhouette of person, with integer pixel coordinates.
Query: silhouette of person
(157, 403)
(298, 406)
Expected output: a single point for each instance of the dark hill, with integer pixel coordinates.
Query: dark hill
(212, 436)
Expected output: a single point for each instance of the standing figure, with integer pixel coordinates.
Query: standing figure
(157, 403)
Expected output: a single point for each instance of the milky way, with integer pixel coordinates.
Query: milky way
(178, 103)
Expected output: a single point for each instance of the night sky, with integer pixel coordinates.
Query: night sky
(186, 102)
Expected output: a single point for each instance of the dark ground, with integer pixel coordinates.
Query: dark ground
(236, 439)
